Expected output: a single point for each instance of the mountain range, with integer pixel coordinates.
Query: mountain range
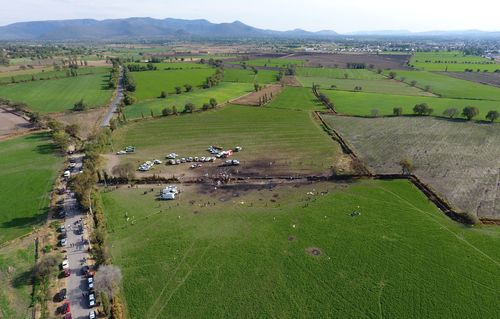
(149, 28)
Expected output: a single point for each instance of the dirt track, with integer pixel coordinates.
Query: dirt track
(254, 98)
(11, 124)
(478, 77)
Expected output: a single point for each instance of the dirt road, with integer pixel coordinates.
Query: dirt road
(77, 252)
(116, 101)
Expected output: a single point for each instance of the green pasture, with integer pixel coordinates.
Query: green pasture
(454, 61)
(28, 167)
(335, 73)
(61, 94)
(291, 140)
(222, 93)
(151, 83)
(42, 74)
(248, 76)
(358, 103)
(382, 250)
(447, 86)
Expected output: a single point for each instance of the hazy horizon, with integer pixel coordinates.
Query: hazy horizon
(281, 15)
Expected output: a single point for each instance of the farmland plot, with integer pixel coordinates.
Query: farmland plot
(60, 95)
(461, 161)
(297, 251)
(28, 167)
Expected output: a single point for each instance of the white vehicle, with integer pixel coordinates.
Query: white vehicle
(170, 189)
(183, 160)
(90, 282)
(172, 156)
(92, 315)
(121, 152)
(237, 148)
(156, 161)
(65, 264)
(67, 174)
(167, 196)
(172, 162)
(63, 242)
(196, 158)
(232, 162)
(177, 161)
(130, 149)
(72, 165)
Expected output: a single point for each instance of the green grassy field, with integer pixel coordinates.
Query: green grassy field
(362, 103)
(222, 93)
(247, 254)
(61, 94)
(335, 73)
(247, 76)
(16, 265)
(151, 83)
(27, 75)
(27, 169)
(178, 65)
(291, 140)
(296, 98)
(453, 61)
(446, 86)
(376, 86)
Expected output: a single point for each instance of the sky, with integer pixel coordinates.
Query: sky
(312, 15)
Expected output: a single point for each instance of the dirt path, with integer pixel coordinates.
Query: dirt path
(116, 101)
(12, 124)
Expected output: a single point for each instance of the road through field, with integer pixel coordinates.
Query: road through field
(116, 101)
(77, 252)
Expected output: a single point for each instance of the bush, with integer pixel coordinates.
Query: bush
(422, 109)
(397, 111)
(80, 106)
(166, 111)
(163, 95)
(469, 112)
(189, 108)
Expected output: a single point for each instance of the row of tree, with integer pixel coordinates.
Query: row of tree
(469, 112)
(141, 67)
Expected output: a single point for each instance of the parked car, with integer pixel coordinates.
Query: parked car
(64, 309)
(90, 282)
(63, 242)
(67, 272)
(85, 270)
(67, 316)
(92, 300)
(92, 315)
(61, 295)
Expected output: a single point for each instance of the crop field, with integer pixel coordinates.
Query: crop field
(222, 93)
(292, 141)
(248, 76)
(41, 74)
(151, 83)
(297, 251)
(272, 62)
(27, 169)
(451, 61)
(478, 77)
(376, 86)
(16, 264)
(358, 103)
(336, 73)
(177, 65)
(382, 61)
(450, 87)
(296, 99)
(460, 160)
(61, 94)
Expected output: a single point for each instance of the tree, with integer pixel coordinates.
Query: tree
(213, 102)
(108, 279)
(392, 75)
(206, 107)
(492, 116)
(413, 83)
(451, 112)
(375, 113)
(189, 107)
(188, 87)
(257, 87)
(178, 90)
(163, 95)
(174, 110)
(427, 88)
(106, 307)
(80, 106)
(124, 170)
(128, 99)
(72, 129)
(397, 111)
(46, 266)
(469, 112)
(422, 109)
(406, 166)
(61, 139)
